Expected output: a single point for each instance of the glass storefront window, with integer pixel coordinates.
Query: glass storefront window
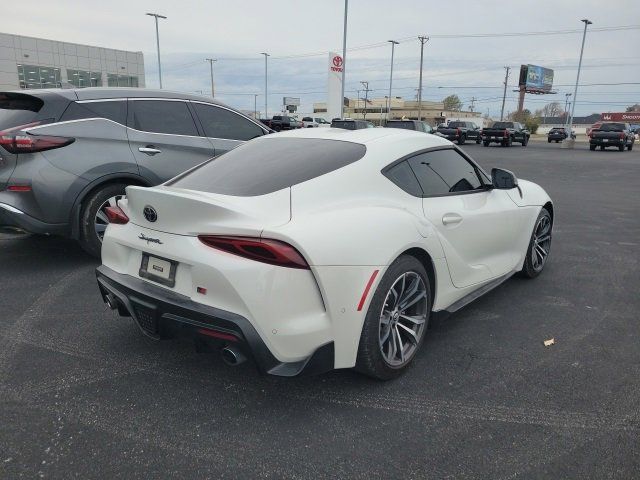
(115, 80)
(33, 76)
(84, 78)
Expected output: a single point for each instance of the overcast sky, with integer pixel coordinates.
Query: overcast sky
(235, 32)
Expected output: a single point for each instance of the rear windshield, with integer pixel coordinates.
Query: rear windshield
(345, 124)
(612, 127)
(18, 109)
(557, 129)
(457, 124)
(503, 125)
(268, 165)
(404, 125)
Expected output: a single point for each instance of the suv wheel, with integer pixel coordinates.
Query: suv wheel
(93, 220)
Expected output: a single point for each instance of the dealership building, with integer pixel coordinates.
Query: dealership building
(34, 63)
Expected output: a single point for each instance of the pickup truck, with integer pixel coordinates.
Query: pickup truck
(505, 133)
(350, 124)
(460, 132)
(612, 135)
(417, 125)
(283, 122)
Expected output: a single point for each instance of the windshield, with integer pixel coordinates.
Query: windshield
(262, 167)
(403, 125)
(18, 109)
(345, 124)
(503, 125)
(612, 127)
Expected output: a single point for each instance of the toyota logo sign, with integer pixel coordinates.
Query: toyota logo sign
(337, 62)
(150, 213)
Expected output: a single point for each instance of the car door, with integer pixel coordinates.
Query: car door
(164, 138)
(225, 128)
(476, 225)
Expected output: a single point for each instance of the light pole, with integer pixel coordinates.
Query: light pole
(266, 55)
(423, 40)
(211, 60)
(504, 94)
(566, 103)
(344, 56)
(255, 106)
(393, 47)
(586, 22)
(366, 98)
(157, 16)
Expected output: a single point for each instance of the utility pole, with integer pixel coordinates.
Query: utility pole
(366, 98)
(255, 106)
(586, 22)
(357, 101)
(566, 104)
(344, 56)
(266, 55)
(157, 16)
(473, 101)
(393, 47)
(211, 60)
(423, 40)
(504, 94)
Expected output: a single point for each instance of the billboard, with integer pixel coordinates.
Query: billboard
(628, 117)
(536, 79)
(294, 101)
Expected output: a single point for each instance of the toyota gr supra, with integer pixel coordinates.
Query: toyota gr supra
(318, 249)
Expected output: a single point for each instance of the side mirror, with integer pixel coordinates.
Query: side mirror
(503, 179)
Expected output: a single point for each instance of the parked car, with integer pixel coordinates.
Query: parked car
(612, 134)
(266, 122)
(284, 122)
(595, 126)
(505, 133)
(557, 134)
(389, 228)
(460, 132)
(67, 155)
(417, 125)
(350, 124)
(309, 122)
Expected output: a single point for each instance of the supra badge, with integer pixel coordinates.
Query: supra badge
(149, 239)
(150, 213)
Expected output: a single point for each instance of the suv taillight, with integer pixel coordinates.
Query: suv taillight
(263, 250)
(15, 140)
(506, 133)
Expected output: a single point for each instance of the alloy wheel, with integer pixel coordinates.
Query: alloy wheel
(101, 220)
(541, 243)
(403, 319)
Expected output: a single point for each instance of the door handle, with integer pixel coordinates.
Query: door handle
(149, 150)
(451, 219)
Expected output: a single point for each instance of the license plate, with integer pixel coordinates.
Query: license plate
(605, 140)
(158, 269)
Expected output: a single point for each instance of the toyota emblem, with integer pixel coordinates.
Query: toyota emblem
(150, 213)
(337, 61)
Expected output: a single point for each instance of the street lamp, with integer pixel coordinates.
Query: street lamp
(211, 60)
(393, 46)
(344, 56)
(586, 22)
(266, 115)
(157, 16)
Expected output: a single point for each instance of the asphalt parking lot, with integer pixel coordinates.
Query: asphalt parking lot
(84, 395)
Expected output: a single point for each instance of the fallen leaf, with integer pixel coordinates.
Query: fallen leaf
(548, 343)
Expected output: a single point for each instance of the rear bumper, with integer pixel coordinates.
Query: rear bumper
(613, 142)
(14, 217)
(160, 313)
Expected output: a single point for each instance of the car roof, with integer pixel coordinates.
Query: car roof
(364, 136)
(98, 93)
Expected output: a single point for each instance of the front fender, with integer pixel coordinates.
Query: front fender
(532, 194)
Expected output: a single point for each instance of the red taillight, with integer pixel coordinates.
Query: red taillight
(116, 215)
(262, 250)
(506, 133)
(622, 136)
(19, 188)
(215, 334)
(15, 140)
(458, 131)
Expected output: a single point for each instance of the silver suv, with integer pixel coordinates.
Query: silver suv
(66, 155)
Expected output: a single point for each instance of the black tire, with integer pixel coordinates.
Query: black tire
(601, 147)
(525, 141)
(478, 140)
(548, 140)
(462, 139)
(621, 148)
(89, 239)
(530, 269)
(630, 146)
(509, 142)
(486, 144)
(557, 141)
(371, 360)
(592, 147)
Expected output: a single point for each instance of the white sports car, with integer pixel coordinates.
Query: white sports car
(321, 248)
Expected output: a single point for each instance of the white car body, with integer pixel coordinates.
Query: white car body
(349, 225)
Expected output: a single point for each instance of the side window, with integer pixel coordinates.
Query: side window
(402, 175)
(444, 171)
(221, 123)
(161, 116)
(111, 110)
